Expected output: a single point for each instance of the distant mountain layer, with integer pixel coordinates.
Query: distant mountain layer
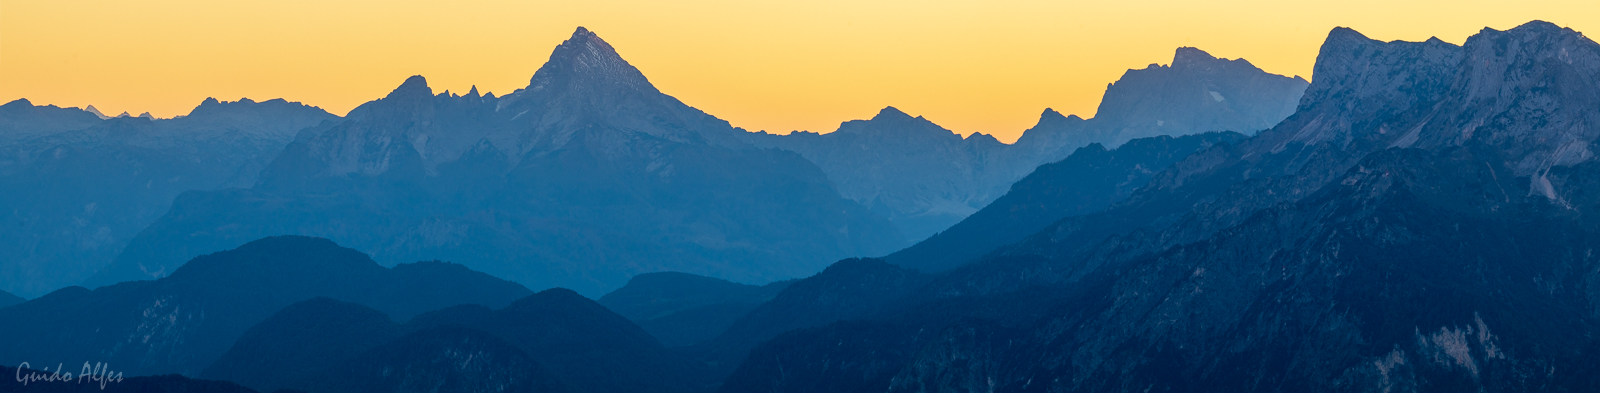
(581, 180)
(925, 178)
(1085, 182)
(184, 322)
(8, 300)
(551, 341)
(682, 309)
(78, 187)
(850, 289)
(1419, 224)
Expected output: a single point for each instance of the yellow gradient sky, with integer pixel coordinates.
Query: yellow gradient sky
(986, 66)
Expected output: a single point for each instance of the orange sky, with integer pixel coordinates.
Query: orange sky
(987, 66)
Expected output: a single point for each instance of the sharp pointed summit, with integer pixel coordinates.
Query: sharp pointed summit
(96, 112)
(890, 112)
(586, 57)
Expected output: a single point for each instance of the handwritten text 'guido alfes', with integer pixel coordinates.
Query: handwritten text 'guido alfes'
(97, 373)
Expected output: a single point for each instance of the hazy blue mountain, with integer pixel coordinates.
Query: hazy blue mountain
(170, 383)
(925, 178)
(587, 346)
(8, 300)
(919, 175)
(550, 341)
(1085, 182)
(850, 289)
(441, 359)
(300, 342)
(184, 322)
(21, 120)
(682, 309)
(845, 356)
(1417, 225)
(78, 187)
(581, 180)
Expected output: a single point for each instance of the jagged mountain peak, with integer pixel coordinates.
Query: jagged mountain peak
(979, 137)
(1343, 35)
(91, 109)
(1051, 118)
(1190, 56)
(890, 112)
(894, 121)
(414, 86)
(412, 99)
(211, 105)
(585, 56)
(1050, 113)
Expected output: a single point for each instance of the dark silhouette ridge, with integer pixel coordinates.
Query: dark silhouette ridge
(184, 322)
(8, 300)
(1085, 182)
(682, 309)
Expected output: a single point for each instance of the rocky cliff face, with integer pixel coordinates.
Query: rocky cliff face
(583, 179)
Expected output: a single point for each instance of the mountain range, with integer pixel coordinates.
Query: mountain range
(183, 322)
(1417, 225)
(1089, 180)
(79, 187)
(681, 309)
(554, 340)
(581, 180)
(489, 181)
(925, 178)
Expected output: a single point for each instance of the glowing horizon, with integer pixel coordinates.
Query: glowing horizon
(778, 67)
